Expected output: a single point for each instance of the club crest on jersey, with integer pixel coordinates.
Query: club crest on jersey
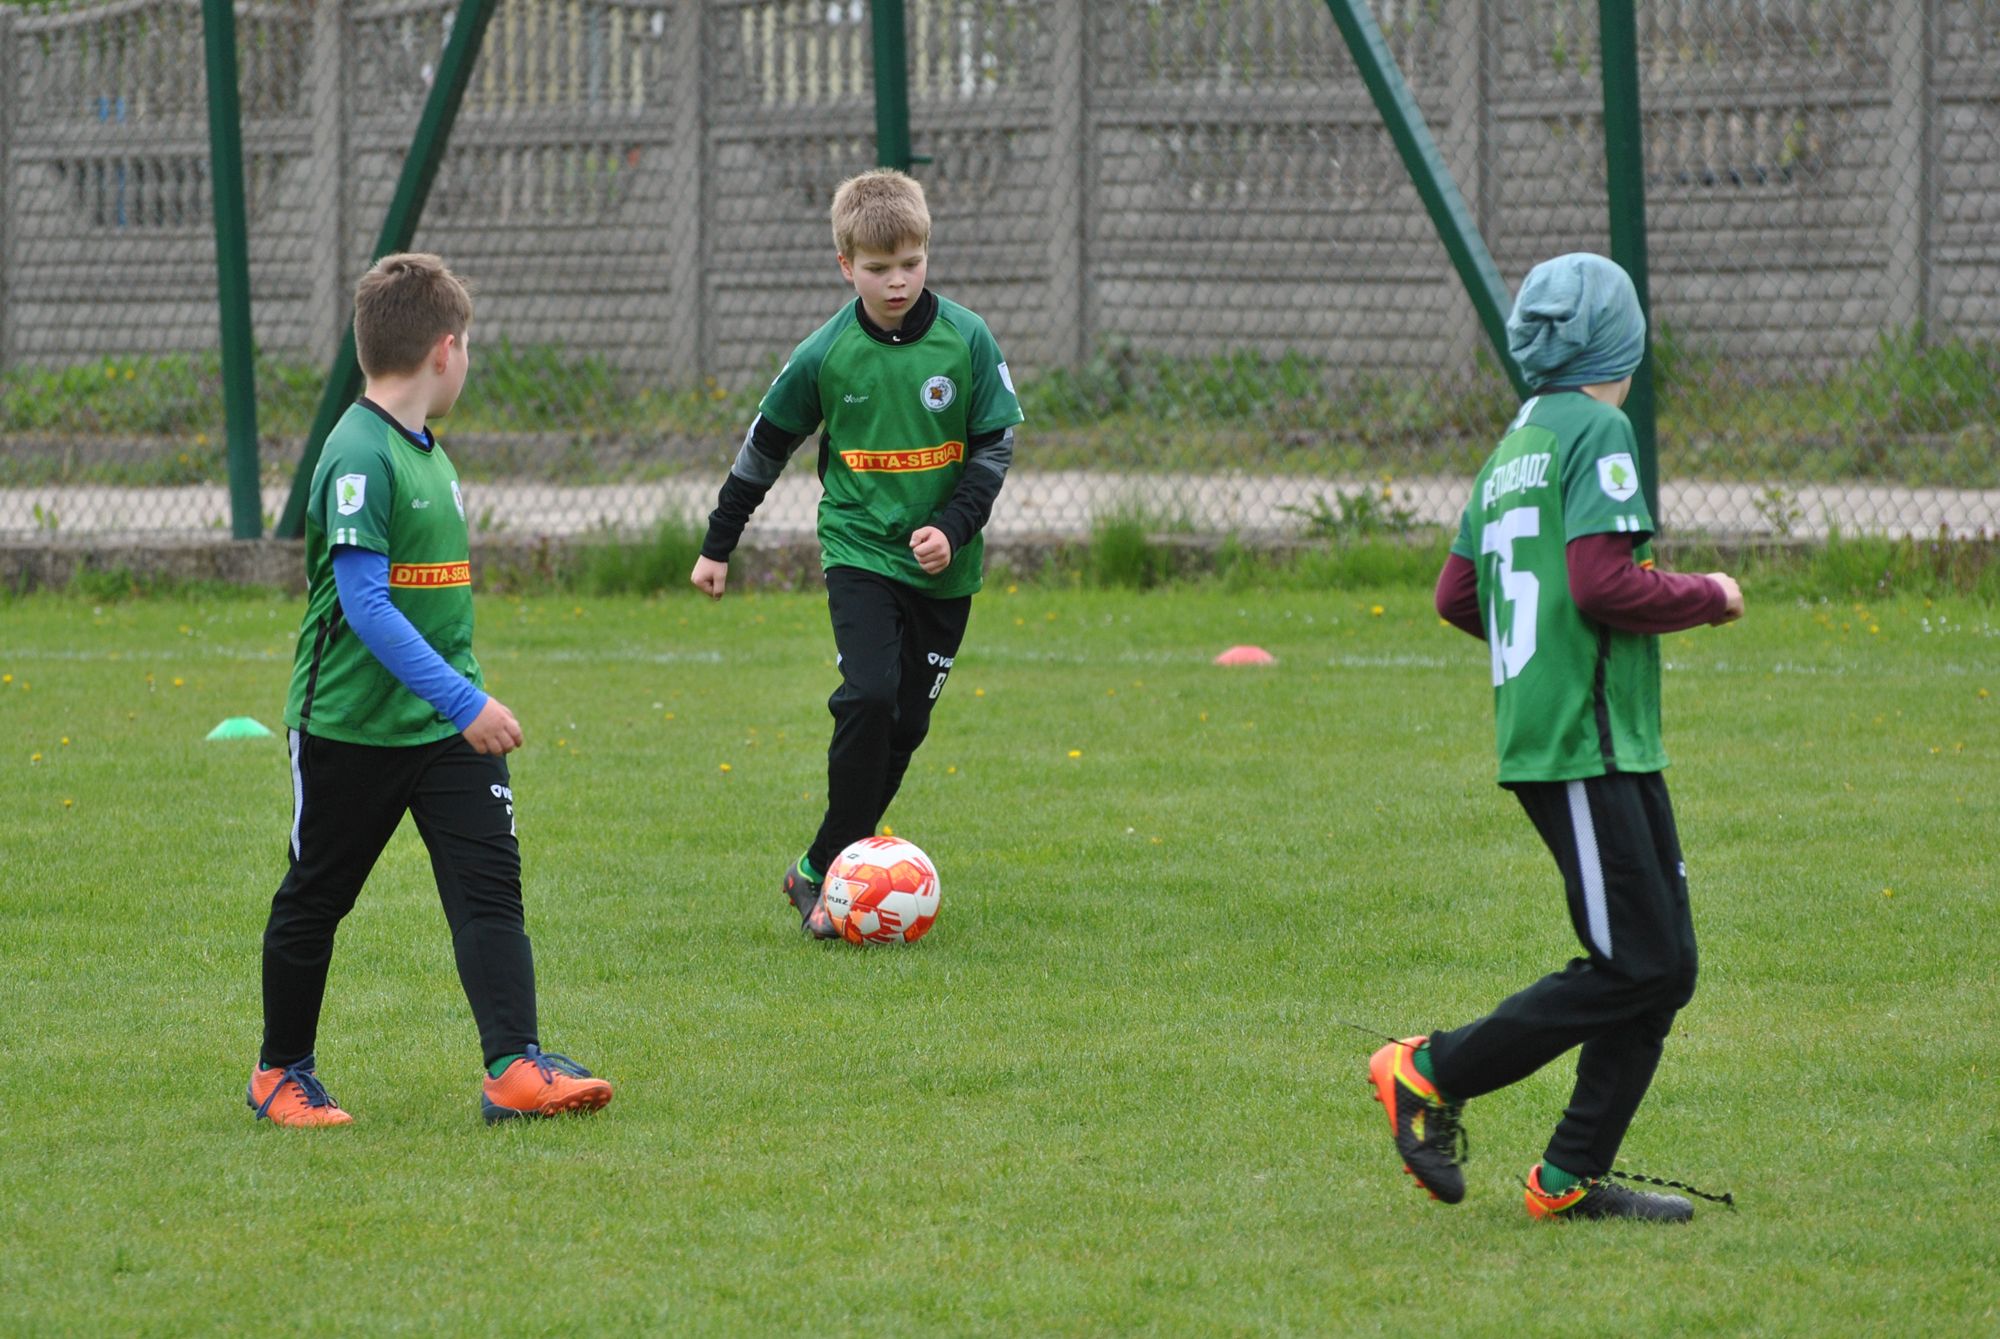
(939, 392)
(1618, 476)
(349, 492)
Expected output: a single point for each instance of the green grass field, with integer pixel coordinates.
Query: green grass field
(1109, 1093)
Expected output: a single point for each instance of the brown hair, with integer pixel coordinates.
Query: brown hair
(403, 306)
(880, 211)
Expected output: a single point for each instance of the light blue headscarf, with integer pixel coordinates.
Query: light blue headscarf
(1576, 322)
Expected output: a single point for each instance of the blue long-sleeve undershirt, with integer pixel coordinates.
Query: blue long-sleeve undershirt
(362, 578)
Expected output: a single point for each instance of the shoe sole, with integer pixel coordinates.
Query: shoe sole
(592, 1099)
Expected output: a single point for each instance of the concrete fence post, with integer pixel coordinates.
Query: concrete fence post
(326, 75)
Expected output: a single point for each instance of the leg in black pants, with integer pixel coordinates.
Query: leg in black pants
(896, 650)
(1614, 840)
(347, 801)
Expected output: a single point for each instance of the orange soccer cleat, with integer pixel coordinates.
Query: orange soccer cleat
(1601, 1198)
(1426, 1129)
(293, 1095)
(539, 1084)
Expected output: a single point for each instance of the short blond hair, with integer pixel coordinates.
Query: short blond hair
(880, 211)
(403, 306)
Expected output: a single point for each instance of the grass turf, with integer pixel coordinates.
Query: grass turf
(1109, 1093)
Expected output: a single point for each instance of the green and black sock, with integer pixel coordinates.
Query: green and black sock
(1556, 1181)
(1422, 1060)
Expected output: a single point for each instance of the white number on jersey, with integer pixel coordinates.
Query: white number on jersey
(1520, 591)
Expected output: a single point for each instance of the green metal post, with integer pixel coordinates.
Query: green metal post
(892, 85)
(232, 265)
(1625, 181)
(399, 226)
(1455, 225)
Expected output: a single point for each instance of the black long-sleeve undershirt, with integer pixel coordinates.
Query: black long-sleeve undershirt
(767, 448)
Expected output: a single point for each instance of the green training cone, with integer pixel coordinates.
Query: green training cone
(239, 727)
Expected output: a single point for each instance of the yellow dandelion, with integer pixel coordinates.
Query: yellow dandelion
(68, 803)
(1020, 622)
(130, 375)
(8, 678)
(1888, 892)
(201, 439)
(981, 692)
(951, 771)
(1111, 692)
(888, 831)
(1204, 716)
(727, 768)
(1873, 628)
(1012, 589)
(65, 739)
(1076, 753)
(1982, 692)
(670, 716)
(34, 757)
(1375, 610)
(180, 683)
(562, 743)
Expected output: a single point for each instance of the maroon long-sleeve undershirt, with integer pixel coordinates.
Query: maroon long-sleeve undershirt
(1606, 585)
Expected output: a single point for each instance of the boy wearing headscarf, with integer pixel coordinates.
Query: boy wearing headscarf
(1551, 568)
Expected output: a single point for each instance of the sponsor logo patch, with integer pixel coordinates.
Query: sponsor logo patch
(350, 491)
(931, 458)
(1618, 476)
(430, 575)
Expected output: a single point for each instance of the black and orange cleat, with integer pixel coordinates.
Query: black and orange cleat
(293, 1095)
(541, 1085)
(1427, 1131)
(1602, 1198)
(807, 899)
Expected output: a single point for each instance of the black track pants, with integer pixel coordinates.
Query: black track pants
(896, 647)
(346, 802)
(1614, 841)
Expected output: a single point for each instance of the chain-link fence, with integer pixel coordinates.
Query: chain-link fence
(1224, 306)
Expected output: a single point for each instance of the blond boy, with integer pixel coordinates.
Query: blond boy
(917, 414)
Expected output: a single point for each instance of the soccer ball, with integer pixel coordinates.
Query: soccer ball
(882, 890)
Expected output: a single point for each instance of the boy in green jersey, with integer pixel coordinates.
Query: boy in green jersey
(1551, 569)
(388, 716)
(918, 415)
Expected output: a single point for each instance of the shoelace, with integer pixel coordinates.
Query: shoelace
(1724, 1198)
(313, 1090)
(548, 1066)
(1444, 1131)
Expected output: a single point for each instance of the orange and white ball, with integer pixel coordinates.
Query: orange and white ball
(882, 890)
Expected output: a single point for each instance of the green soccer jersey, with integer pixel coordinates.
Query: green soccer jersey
(1571, 697)
(897, 419)
(374, 489)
